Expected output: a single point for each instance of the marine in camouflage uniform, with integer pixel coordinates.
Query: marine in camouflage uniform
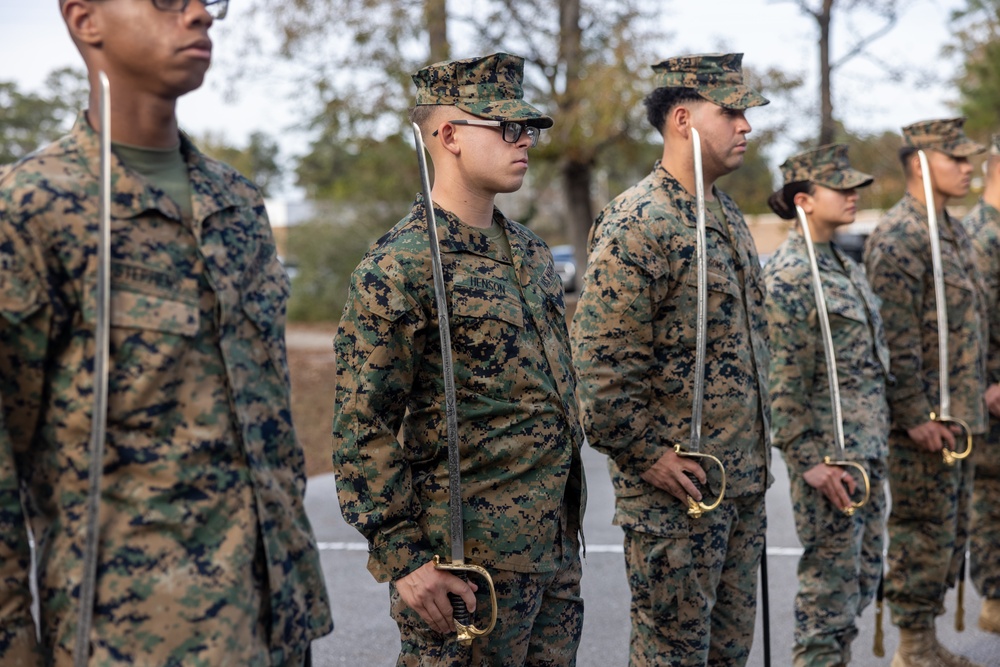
(983, 227)
(928, 522)
(693, 581)
(206, 556)
(518, 426)
(841, 567)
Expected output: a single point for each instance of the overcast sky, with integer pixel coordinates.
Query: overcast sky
(33, 42)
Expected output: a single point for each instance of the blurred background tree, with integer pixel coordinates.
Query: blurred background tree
(31, 120)
(865, 21)
(976, 28)
(258, 160)
(586, 65)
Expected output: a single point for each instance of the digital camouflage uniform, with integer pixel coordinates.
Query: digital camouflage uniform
(693, 581)
(518, 425)
(928, 523)
(842, 563)
(983, 227)
(206, 555)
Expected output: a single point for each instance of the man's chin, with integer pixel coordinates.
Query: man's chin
(509, 187)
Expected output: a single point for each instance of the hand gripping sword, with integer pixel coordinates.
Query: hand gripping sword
(697, 508)
(831, 370)
(944, 413)
(98, 423)
(463, 622)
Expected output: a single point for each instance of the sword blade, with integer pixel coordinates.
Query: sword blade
(939, 293)
(444, 331)
(827, 334)
(702, 310)
(98, 424)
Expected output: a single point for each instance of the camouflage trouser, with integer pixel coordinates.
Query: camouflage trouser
(694, 588)
(928, 530)
(539, 622)
(984, 529)
(839, 570)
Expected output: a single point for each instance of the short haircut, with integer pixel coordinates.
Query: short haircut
(661, 101)
(423, 114)
(782, 202)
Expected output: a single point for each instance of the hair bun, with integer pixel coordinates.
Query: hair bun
(778, 204)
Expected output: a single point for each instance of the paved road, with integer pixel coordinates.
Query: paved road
(366, 636)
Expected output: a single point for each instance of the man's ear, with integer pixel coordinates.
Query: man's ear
(82, 22)
(679, 120)
(448, 139)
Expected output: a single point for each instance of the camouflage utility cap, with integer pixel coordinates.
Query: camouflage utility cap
(717, 77)
(488, 87)
(826, 166)
(945, 135)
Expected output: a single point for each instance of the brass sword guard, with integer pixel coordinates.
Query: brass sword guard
(466, 633)
(950, 455)
(854, 506)
(697, 508)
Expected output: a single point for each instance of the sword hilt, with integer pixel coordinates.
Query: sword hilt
(852, 507)
(696, 507)
(950, 455)
(464, 629)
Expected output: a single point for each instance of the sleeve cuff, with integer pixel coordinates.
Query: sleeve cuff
(910, 412)
(641, 456)
(405, 550)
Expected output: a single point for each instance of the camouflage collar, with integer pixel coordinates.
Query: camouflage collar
(919, 211)
(457, 237)
(133, 195)
(685, 201)
(798, 242)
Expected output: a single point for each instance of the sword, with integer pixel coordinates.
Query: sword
(697, 508)
(831, 370)
(878, 648)
(463, 622)
(98, 423)
(944, 409)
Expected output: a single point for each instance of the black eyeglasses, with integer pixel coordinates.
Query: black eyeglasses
(510, 130)
(217, 8)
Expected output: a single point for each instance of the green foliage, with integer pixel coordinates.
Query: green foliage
(325, 252)
(358, 170)
(977, 41)
(31, 120)
(258, 160)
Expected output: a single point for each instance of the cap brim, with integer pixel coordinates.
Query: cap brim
(513, 110)
(848, 179)
(966, 148)
(735, 97)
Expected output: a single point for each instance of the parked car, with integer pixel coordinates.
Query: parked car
(565, 266)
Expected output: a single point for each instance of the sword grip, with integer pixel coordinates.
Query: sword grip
(459, 610)
(464, 630)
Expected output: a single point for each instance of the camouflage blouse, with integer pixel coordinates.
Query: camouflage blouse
(634, 341)
(518, 426)
(206, 554)
(801, 411)
(898, 263)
